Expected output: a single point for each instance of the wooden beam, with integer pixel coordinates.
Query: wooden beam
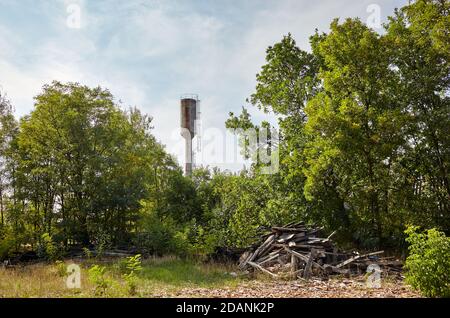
(266, 243)
(303, 257)
(354, 258)
(262, 269)
(308, 266)
(288, 229)
(271, 258)
(293, 265)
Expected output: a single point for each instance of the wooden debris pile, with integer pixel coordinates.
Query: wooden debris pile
(296, 250)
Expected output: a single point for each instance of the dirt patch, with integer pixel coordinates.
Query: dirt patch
(336, 288)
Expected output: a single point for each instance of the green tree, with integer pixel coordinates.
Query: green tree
(419, 54)
(9, 223)
(363, 124)
(85, 165)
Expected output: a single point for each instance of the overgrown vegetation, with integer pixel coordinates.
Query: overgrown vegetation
(158, 277)
(428, 263)
(364, 125)
(364, 149)
(98, 278)
(133, 266)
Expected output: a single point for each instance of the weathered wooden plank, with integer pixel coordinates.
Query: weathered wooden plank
(288, 229)
(331, 235)
(314, 231)
(285, 237)
(309, 263)
(329, 269)
(245, 261)
(266, 249)
(303, 257)
(262, 269)
(267, 242)
(271, 258)
(335, 255)
(293, 265)
(352, 259)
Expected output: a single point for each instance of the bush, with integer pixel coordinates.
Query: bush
(428, 264)
(102, 242)
(157, 237)
(195, 240)
(61, 268)
(133, 266)
(7, 245)
(48, 249)
(87, 253)
(98, 278)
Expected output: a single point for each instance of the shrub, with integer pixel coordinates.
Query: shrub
(121, 266)
(195, 240)
(7, 245)
(167, 237)
(48, 248)
(134, 263)
(157, 237)
(61, 268)
(103, 242)
(428, 264)
(97, 277)
(133, 266)
(87, 253)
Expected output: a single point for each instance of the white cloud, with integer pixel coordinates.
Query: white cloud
(149, 53)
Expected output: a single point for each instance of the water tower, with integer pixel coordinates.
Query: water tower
(190, 113)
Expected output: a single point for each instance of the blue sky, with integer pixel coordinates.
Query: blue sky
(148, 53)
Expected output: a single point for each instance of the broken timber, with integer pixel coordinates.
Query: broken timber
(296, 249)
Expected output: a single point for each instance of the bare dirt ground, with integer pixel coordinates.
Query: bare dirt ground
(335, 288)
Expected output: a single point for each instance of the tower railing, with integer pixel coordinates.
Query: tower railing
(189, 96)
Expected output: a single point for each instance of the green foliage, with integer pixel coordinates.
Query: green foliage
(87, 253)
(353, 133)
(240, 205)
(165, 237)
(84, 165)
(364, 149)
(7, 246)
(428, 264)
(133, 267)
(197, 240)
(61, 268)
(364, 125)
(9, 231)
(103, 241)
(156, 237)
(97, 276)
(287, 79)
(134, 263)
(48, 249)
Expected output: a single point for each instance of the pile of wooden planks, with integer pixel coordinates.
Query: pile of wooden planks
(296, 250)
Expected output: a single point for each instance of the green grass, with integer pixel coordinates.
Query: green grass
(186, 273)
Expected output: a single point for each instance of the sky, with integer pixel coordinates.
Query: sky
(149, 53)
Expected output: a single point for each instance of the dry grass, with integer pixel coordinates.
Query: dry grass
(39, 280)
(159, 276)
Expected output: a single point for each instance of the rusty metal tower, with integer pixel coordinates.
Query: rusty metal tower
(190, 115)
